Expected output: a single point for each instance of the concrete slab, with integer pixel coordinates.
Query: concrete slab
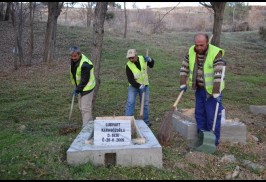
(231, 131)
(149, 153)
(185, 125)
(257, 109)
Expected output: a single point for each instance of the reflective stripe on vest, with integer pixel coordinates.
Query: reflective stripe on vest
(91, 84)
(140, 76)
(208, 70)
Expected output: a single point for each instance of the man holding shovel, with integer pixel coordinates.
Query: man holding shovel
(82, 76)
(137, 76)
(202, 66)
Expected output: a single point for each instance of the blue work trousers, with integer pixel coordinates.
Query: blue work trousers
(205, 111)
(131, 101)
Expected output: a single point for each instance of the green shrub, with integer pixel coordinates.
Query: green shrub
(262, 33)
(109, 16)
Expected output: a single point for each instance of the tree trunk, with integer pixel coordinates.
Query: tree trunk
(32, 6)
(2, 11)
(8, 5)
(125, 12)
(16, 12)
(54, 10)
(97, 42)
(66, 13)
(89, 14)
(218, 8)
(20, 33)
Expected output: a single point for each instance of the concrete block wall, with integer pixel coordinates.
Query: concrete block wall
(231, 131)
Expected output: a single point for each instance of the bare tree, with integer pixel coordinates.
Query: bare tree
(218, 8)
(159, 23)
(125, 13)
(17, 22)
(89, 13)
(32, 6)
(8, 5)
(87, 9)
(66, 9)
(134, 5)
(54, 10)
(2, 11)
(97, 42)
(66, 12)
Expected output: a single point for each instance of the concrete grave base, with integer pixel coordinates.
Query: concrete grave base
(142, 151)
(184, 124)
(258, 109)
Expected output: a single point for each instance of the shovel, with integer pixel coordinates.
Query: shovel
(143, 93)
(166, 127)
(69, 128)
(207, 138)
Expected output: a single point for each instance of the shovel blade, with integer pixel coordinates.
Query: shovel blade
(206, 142)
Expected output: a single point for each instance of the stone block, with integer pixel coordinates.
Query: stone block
(257, 109)
(82, 150)
(185, 125)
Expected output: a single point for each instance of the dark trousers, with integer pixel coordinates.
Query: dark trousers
(204, 113)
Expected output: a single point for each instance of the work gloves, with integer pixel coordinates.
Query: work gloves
(147, 59)
(217, 97)
(142, 88)
(74, 92)
(183, 87)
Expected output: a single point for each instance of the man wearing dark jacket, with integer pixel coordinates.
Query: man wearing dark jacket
(82, 76)
(138, 82)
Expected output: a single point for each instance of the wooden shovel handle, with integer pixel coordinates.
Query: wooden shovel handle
(143, 94)
(71, 107)
(217, 104)
(142, 104)
(178, 99)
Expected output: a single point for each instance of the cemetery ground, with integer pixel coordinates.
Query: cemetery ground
(36, 100)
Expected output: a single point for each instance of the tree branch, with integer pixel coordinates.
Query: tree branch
(160, 20)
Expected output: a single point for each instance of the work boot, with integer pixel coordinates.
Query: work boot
(148, 124)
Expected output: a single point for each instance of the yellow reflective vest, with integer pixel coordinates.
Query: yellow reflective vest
(140, 76)
(208, 70)
(91, 84)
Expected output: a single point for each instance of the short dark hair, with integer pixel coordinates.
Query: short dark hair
(74, 49)
(206, 36)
